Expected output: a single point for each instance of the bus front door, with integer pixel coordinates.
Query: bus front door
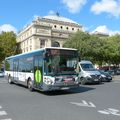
(38, 72)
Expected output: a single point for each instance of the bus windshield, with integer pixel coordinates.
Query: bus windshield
(61, 62)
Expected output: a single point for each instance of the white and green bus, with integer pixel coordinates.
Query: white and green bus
(44, 69)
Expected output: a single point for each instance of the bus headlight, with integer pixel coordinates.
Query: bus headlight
(48, 81)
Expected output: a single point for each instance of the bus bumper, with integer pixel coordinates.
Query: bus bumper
(59, 87)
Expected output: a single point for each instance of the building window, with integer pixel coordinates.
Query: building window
(72, 28)
(42, 43)
(55, 44)
(55, 26)
(67, 28)
(30, 48)
(61, 27)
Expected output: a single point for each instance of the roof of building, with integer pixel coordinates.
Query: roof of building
(60, 18)
(100, 33)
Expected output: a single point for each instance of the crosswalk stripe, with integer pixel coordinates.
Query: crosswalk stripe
(7, 119)
(3, 113)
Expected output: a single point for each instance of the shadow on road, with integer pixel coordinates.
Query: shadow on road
(81, 89)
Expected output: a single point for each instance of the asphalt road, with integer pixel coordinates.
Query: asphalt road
(88, 102)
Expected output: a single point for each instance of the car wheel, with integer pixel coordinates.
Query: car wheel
(83, 81)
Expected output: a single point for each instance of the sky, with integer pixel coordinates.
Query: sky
(93, 15)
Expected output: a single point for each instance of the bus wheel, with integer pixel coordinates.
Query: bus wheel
(10, 80)
(30, 85)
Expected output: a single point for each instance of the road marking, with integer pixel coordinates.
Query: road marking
(3, 113)
(110, 111)
(84, 103)
(7, 119)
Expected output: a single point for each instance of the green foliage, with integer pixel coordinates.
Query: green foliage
(99, 50)
(2, 54)
(79, 41)
(7, 44)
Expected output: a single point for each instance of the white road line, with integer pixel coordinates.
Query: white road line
(84, 104)
(103, 112)
(7, 119)
(3, 113)
(109, 111)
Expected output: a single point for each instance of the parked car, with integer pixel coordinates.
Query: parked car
(88, 74)
(1, 74)
(117, 71)
(106, 77)
(111, 72)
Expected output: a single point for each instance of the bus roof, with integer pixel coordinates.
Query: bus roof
(38, 50)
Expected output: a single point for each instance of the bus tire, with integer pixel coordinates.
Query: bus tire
(10, 80)
(30, 85)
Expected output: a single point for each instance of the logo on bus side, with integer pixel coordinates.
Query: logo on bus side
(38, 76)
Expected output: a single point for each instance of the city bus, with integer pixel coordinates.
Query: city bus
(45, 69)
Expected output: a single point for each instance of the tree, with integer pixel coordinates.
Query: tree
(114, 49)
(79, 41)
(2, 54)
(98, 50)
(7, 44)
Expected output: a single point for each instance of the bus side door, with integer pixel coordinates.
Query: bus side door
(15, 70)
(38, 71)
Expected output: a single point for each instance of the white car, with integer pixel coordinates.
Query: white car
(1, 74)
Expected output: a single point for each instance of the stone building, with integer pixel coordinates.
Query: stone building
(101, 34)
(48, 31)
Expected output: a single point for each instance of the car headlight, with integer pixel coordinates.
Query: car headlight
(87, 76)
(103, 75)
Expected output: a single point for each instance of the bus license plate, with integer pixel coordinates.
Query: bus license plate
(65, 88)
(95, 79)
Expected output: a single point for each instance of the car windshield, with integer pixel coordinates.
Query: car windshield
(103, 72)
(61, 64)
(87, 67)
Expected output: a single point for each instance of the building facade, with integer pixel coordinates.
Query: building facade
(48, 31)
(101, 34)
